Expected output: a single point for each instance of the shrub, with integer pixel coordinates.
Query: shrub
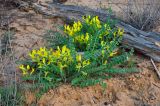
(86, 58)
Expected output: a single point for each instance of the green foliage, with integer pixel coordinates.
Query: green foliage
(85, 55)
(55, 39)
(10, 97)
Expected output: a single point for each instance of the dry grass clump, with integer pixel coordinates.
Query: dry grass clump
(9, 95)
(143, 14)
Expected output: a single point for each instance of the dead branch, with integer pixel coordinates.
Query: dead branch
(141, 41)
(156, 69)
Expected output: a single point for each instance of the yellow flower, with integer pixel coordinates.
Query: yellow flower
(87, 37)
(103, 43)
(87, 19)
(79, 57)
(79, 24)
(103, 52)
(112, 54)
(71, 30)
(94, 21)
(120, 32)
(40, 65)
(58, 49)
(32, 54)
(71, 33)
(49, 62)
(24, 73)
(97, 21)
(24, 70)
(45, 53)
(65, 59)
(78, 66)
(61, 66)
(32, 71)
(114, 33)
(28, 67)
(44, 61)
(42, 49)
(64, 49)
(46, 73)
(56, 54)
(82, 64)
(42, 52)
(86, 63)
(82, 39)
(22, 67)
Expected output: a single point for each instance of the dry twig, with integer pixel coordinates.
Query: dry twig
(156, 69)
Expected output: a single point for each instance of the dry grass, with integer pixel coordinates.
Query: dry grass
(142, 14)
(9, 95)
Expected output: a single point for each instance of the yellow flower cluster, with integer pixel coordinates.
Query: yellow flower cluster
(74, 30)
(26, 69)
(71, 30)
(82, 38)
(44, 57)
(106, 32)
(63, 57)
(93, 21)
(105, 48)
(113, 54)
(40, 55)
(81, 63)
(119, 32)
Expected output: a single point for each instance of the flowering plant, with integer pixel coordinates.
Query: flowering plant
(91, 34)
(52, 64)
(86, 58)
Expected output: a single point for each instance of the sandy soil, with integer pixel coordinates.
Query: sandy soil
(139, 89)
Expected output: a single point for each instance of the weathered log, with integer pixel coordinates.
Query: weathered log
(147, 43)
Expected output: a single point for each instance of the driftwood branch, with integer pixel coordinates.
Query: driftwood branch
(146, 43)
(156, 69)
